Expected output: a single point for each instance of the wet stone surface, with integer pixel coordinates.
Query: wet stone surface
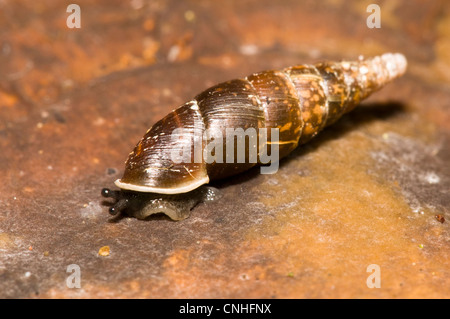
(74, 102)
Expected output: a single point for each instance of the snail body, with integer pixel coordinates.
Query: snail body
(275, 110)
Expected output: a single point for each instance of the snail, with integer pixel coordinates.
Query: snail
(234, 125)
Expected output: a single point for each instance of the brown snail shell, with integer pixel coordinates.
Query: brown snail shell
(297, 102)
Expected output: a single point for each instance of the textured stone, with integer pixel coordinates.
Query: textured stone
(74, 102)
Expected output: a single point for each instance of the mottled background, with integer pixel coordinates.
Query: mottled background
(73, 103)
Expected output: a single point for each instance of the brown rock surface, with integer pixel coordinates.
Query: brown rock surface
(73, 103)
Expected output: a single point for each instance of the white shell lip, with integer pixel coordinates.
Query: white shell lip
(148, 189)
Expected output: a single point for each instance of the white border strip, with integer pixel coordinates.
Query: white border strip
(158, 190)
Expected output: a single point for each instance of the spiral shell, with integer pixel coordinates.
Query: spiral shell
(297, 102)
